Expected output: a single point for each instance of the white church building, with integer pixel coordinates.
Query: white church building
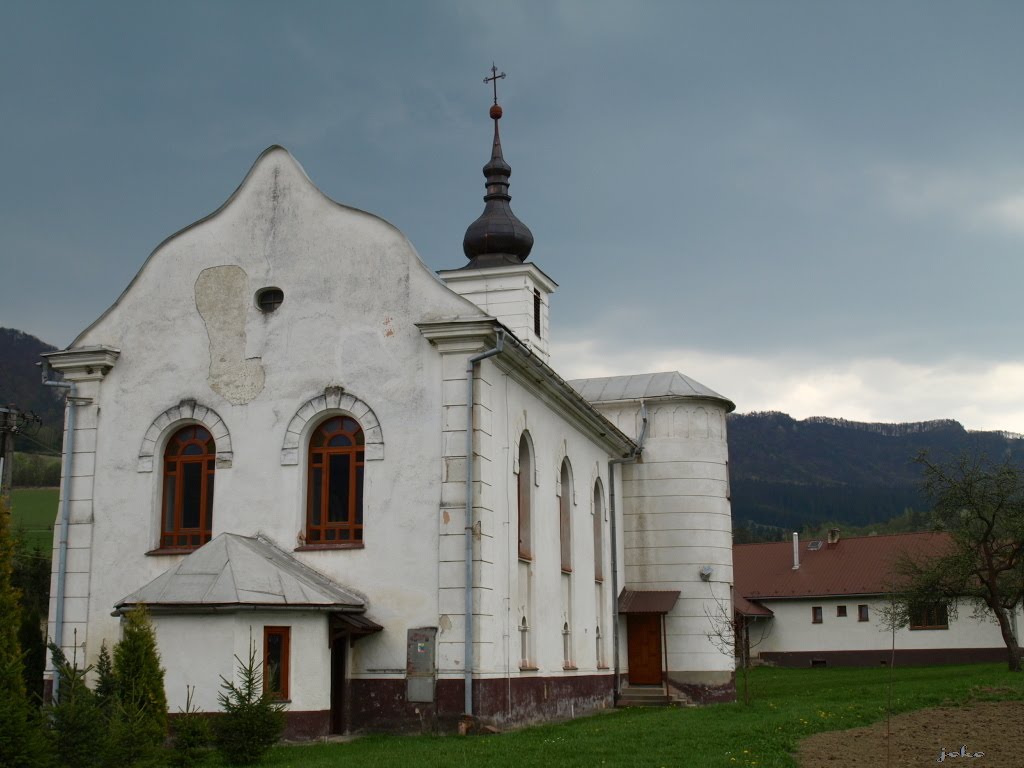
(289, 432)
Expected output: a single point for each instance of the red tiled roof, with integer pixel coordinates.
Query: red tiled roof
(746, 608)
(861, 565)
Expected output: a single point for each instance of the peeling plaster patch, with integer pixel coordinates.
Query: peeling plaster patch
(445, 623)
(388, 329)
(222, 298)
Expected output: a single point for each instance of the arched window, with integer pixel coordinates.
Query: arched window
(565, 517)
(334, 501)
(525, 487)
(598, 532)
(189, 465)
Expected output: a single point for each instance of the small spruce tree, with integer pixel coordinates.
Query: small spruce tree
(253, 720)
(192, 735)
(21, 737)
(106, 685)
(77, 726)
(138, 723)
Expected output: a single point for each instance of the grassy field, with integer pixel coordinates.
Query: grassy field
(34, 510)
(788, 706)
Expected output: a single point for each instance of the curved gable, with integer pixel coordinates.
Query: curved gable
(277, 221)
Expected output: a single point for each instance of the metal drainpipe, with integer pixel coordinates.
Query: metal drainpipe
(633, 456)
(65, 492)
(470, 369)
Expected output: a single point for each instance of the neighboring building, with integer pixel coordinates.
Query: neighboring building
(824, 603)
(269, 445)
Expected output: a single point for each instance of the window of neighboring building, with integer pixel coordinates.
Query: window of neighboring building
(525, 490)
(862, 613)
(276, 653)
(841, 611)
(816, 614)
(187, 510)
(565, 518)
(334, 504)
(931, 616)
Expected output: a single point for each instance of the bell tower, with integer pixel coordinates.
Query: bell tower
(498, 278)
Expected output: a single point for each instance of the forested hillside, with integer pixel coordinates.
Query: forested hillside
(789, 473)
(20, 387)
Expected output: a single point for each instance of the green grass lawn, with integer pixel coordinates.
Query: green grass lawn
(788, 706)
(34, 511)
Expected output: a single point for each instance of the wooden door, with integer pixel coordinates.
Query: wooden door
(643, 637)
(338, 684)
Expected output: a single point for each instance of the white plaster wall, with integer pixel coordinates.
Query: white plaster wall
(676, 518)
(198, 650)
(513, 408)
(506, 293)
(793, 630)
(353, 289)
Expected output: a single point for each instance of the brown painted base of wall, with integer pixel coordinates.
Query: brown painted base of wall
(904, 657)
(298, 726)
(704, 693)
(380, 705)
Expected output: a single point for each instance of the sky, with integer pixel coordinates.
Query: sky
(815, 208)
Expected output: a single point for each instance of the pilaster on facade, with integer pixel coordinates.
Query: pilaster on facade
(78, 487)
(458, 342)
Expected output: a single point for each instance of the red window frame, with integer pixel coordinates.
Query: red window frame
(186, 511)
(337, 443)
(565, 519)
(276, 678)
(524, 499)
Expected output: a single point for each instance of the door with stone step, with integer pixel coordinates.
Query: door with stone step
(643, 638)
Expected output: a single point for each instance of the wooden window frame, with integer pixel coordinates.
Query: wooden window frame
(524, 499)
(173, 534)
(346, 533)
(565, 518)
(285, 633)
(840, 611)
(817, 616)
(598, 534)
(930, 616)
(863, 613)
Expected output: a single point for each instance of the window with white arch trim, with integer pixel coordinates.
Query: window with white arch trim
(189, 465)
(334, 496)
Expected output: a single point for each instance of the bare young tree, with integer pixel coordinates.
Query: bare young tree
(731, 635)
(980, 505)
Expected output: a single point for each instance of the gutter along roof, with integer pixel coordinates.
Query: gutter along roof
(518, 359)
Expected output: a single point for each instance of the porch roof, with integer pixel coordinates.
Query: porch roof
(647, 600)
(233, 572)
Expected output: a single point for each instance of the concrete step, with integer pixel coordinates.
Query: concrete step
(643, 696)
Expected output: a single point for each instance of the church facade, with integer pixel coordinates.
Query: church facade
(288, 435)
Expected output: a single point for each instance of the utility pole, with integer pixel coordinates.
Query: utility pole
(12, 422)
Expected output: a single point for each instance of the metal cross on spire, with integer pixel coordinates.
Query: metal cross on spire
(493, 80)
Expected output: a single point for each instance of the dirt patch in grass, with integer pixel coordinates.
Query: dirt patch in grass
(920, 738)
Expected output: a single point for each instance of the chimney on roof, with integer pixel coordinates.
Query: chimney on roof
(796, 551)
(833, 538)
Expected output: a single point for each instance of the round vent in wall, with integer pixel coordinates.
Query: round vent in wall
(269, 299)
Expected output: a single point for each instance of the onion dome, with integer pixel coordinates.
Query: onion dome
(497, 238)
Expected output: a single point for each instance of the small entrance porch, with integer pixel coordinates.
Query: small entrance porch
(645, 645)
